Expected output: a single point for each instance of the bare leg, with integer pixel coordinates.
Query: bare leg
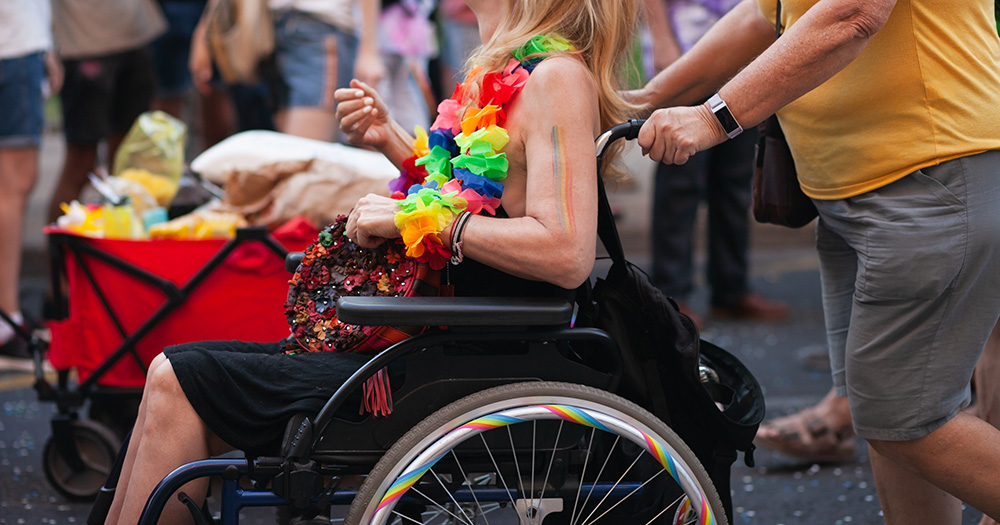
(171, 435)
(18, 170)
(137, 430)
(908, 499)
(962, 458)
(80, 160)
(988, 389)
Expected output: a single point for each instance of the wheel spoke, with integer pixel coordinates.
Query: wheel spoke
(499, 474)
(534, 426)
(627, 496)
(471, 489)
(629, 469)
(451, 496)
(596, 478)
(668, 507)
(552, 459)
(438, 505)
(583, 473)
(513, 451)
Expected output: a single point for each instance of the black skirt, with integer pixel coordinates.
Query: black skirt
(246, 392)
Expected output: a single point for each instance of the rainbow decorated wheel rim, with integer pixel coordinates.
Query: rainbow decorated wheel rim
(605, 419)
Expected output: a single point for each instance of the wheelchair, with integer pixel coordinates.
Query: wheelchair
(508, 415)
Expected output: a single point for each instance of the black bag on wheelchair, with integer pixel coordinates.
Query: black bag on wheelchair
(705, 394)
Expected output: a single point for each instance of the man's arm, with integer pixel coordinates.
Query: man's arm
(826, 39)
(735, 40)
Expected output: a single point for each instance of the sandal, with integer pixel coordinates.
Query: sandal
(807, 435)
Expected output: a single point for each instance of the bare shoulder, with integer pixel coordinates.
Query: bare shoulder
(562, 83)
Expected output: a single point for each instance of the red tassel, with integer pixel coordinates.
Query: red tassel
(377, 394)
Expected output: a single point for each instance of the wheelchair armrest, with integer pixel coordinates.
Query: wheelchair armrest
(293, 260)
(455, 311)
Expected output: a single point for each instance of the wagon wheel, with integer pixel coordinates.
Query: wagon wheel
(79, 472)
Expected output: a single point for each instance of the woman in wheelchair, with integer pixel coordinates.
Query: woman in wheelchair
(539, 91)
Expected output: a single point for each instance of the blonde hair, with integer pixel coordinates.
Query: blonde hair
(601, 32)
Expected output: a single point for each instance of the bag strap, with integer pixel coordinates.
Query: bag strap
(606, 229)
(777, 20)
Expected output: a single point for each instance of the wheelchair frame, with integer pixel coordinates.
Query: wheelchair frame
(297, 476)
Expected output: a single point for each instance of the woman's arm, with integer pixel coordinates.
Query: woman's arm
(555, 239)
(826, 39)
(557, 115)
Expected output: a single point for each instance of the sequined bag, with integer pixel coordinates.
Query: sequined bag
(335, 267)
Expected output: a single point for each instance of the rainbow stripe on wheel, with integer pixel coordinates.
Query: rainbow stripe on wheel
(576, 415)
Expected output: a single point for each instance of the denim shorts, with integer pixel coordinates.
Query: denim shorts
(21, 101)
(911, 291)
(314, 59)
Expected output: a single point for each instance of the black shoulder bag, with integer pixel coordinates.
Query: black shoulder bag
(777, 195)
(668, 369)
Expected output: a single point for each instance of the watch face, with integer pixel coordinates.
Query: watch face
(726, 119)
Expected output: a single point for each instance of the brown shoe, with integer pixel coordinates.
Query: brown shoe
(753, 307)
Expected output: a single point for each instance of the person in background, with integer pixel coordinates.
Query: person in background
(459, 37)
(318, 48)
(213, 112)
(900, 157)
(407, 40)
(25, 59)
(109, 80)
(721, 176)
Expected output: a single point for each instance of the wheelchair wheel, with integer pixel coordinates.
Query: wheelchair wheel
(538, 452)
(97, 447)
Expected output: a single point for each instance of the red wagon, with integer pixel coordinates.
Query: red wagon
(120, 302)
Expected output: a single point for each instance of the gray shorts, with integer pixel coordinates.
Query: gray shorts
(911, 290)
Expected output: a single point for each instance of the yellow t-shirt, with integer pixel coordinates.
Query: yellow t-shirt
(926, 89)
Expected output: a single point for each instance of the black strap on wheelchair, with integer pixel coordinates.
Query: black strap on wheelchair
(607, 231)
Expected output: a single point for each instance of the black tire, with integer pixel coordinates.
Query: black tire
(98, 449)
(446, 431)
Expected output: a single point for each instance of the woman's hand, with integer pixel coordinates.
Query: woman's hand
(363, 117)
(372, 221)
(673, 135)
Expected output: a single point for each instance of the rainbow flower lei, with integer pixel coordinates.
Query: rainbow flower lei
(460, 165)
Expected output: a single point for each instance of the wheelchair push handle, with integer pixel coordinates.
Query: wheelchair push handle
(627, 130)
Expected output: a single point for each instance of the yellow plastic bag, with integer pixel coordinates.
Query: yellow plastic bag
(153, 154)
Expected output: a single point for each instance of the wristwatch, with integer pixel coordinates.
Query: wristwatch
(721, 111)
